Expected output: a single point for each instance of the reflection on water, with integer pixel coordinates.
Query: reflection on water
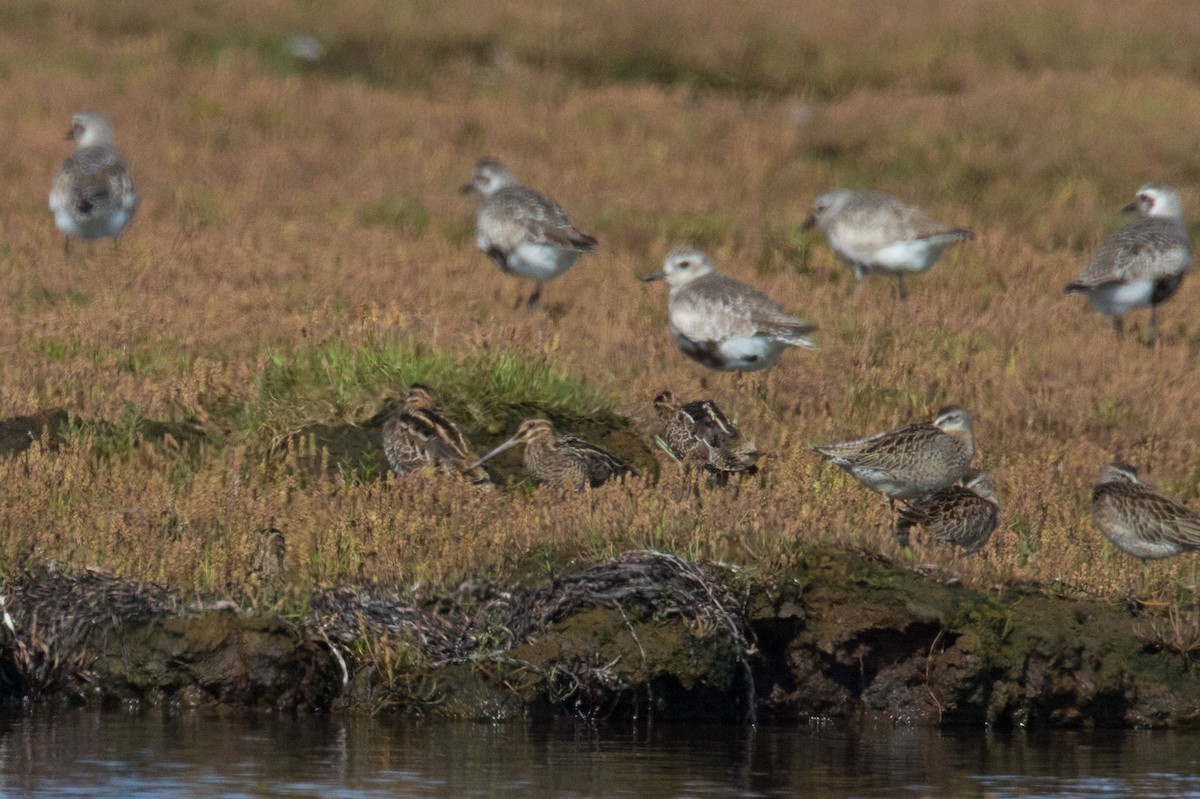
(87, 753)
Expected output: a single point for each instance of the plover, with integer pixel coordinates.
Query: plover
(525, 232)
(1139, 520)
(911, 461)
(1142, 264)
(721, 323)
(560, 461)
(698, 433)
(416, 436)
(93, 195)
(960, 516)
(876, 232)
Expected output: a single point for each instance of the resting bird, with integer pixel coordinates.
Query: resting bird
(698, 433)
(416, 436)
(959, 516)
(1142, 264)
(560, 461)
(1139, 520)
(911, 461)
(721, 323)
(525, 232)
(876, 232)
(93, 195)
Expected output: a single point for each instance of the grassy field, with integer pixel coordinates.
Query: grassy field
(301, 255)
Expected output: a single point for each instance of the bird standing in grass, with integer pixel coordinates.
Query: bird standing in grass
(911, 461)
(560, 461)
(959, 516)
(525, 232)
(416, 436)
(722, 323)
(1142, 264)
(1139, 520)
(697, 433)
(876, 232)
(93, 195)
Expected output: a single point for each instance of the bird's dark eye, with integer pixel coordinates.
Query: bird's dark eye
(684, 264)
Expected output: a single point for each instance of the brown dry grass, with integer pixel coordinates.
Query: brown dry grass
(289, 210)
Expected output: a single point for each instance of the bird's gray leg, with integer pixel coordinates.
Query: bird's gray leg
(532, 302)
(66, 246)
(900, 281)
(1118, 327)
(1150, 342)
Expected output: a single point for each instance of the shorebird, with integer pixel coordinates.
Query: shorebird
(1139, 520)
(525, 232)
(876, 232)
(416, 436)
(93, 195)
(698, 433)
(721, 323)
(269, 551)
(1142, 264)
(960, 516)
(911, 461)
(560, 461)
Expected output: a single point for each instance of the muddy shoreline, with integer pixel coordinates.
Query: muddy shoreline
(846, 636)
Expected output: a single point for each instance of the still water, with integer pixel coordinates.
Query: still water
(87, 753)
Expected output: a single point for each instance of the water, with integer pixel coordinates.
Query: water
(192, 754)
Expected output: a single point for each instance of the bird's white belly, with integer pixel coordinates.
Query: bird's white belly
(906, 256)
(96, 226)
(1121, 298)
(743, 354)
(541, 261)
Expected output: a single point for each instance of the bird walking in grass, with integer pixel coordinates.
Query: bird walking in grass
(93, 195)
(417, 436)
(876, 232)
(962, 516)
(1139, 520)
(911, 461)
(722, 323)
(1141, 265)
(558, 460)
(698, 433)
(525, 232)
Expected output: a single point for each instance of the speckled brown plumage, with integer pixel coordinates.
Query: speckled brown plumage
(699, 433)
(416, 436)
(911, 461)
(561, 461)
(959, 516)
(1139, 520)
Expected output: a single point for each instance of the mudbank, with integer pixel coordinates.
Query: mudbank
(647, 633)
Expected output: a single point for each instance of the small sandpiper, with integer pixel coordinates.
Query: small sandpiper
(525, 232)
(876, 232)
(1139, 520)
(721, 323)
(959, 516)
(416, 436)
(560, 461)
(699, 433)
(93, 195)
(1142, 264)
(911, 461)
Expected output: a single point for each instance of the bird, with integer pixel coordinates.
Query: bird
(911, 461)
(269, 552)
(93, 195)
(1142, 264)
(961, 516)
(722, 323)
(417, 436)
(698, 433)
(558, 460)
(1139, 520)
(525, 232)
(876, 232)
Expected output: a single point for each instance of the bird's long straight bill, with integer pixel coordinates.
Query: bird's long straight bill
(660, 275)
(512, 442)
